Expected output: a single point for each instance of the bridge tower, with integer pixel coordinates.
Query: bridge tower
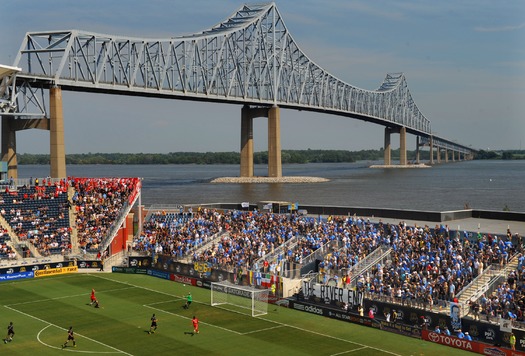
(402, 145)
(54, 124)
(56, 134)
(274, 139)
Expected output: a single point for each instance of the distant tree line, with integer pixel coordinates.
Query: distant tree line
(507, 154)
(287, 156)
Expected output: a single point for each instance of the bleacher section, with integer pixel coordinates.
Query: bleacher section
(40, 215)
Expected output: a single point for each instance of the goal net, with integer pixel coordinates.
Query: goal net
(241, 299)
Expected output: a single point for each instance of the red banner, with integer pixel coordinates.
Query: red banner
(473, 346)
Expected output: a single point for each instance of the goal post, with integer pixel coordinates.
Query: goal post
(241, 299)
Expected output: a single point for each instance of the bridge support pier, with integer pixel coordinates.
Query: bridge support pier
(9, 146)
(9, 128)
(387, 153)
(431, 150)
(274, 140)
(403, 146)
(55, 126)
(446, 155)
(56, 134)
(417, 149)
(246, 142)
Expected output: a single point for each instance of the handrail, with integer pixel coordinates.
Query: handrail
(113, 230)
(364, 265)
(273, 256)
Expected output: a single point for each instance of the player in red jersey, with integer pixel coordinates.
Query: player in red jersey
(93, 298)
(195, 322)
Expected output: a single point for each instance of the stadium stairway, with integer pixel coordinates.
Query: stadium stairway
(15, 241)
(476, 290)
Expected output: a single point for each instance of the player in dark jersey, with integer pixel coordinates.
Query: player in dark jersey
(10, 333)
(153, 326)
(70, 337)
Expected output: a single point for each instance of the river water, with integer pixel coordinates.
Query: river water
(489, 185)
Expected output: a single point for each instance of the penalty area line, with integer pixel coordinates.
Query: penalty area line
(265, 329)
(61, 328)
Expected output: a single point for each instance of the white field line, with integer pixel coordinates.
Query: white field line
(332, 337)
(185, 317)
(69, 296)
(349, 351)
(256, 331)
(81, 351)
(85, 337)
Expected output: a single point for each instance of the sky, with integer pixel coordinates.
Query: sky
(464, 62)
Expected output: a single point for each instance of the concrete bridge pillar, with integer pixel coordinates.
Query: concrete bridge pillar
(387, 154)
(274, 142)
(438, 154)
(9, 146)
(403, 146)
(246, 142)
(56, 134)
(431, 150)
(274, 139)
(417, 149)
(453, 156)
(446, 155)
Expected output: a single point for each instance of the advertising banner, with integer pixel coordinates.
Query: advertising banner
(88, 264)
(330, 313)
(130, 270)
(55, 271)
(473, 346)
(183, 279)
(17, 275)
(35, 267)
(139, 261)
(158, 274)
(332, 295)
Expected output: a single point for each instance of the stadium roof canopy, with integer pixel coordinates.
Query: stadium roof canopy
(8, 70)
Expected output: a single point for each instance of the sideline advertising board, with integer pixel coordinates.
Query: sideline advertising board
(55, 271)
(16, 276)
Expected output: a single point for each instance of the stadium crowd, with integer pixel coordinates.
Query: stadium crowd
(39, 212)
(98, 203)
(426, 264)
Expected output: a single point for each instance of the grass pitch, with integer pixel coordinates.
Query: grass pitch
(43, 309)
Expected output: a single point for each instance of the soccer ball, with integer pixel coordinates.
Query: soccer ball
(184, 285)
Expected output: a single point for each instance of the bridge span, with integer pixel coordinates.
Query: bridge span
(249, 59)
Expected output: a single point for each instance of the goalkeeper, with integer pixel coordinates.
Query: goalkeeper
(189, 299)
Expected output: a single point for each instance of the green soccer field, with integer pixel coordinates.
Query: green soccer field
(43, 309)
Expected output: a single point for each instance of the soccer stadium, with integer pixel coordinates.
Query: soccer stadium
(86, 268)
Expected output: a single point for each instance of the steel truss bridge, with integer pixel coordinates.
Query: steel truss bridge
(249, 59)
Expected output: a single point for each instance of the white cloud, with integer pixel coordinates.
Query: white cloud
(500, 28)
